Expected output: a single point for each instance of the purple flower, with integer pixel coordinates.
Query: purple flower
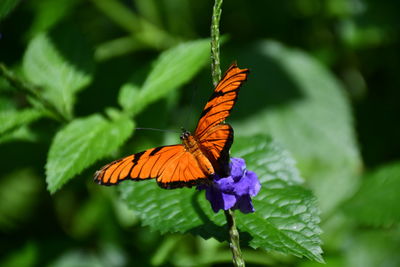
(234, 191)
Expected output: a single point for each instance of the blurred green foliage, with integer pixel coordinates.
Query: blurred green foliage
(78, 76)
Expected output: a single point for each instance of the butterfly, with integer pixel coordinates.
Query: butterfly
(200, 156)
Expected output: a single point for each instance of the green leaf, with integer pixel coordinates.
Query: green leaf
(81, 143)
(14, 123)
(22, 133)
(107, 255)
(303, 106)
(377, 201)
(171, 70)
(48, 13)
(179, 210)
(6, 6)
(127, 94)
(286, 217)
(60, 65)
(11, 119)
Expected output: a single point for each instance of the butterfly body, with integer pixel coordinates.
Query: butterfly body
(201, 155)
(193, 147)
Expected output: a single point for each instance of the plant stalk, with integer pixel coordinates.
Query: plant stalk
(234, 242)
(215, 62)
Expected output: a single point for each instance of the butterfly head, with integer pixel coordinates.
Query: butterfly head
(185, 134)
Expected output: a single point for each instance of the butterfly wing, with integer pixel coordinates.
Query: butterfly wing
(214, 136)
(223, 99)
(171, 165)
(174, 166)
(216, 143)
(143, 165)
(183, 170)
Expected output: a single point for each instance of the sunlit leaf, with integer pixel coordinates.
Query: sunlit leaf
(377, 200)
(11, 119)
(81, 143)
(61, 65)
(171, 70)
(127, 95)
(178, 210)
(14, 123)
(286, 217)
(22, 133)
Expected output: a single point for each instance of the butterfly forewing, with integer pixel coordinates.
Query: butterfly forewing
(143, 165)
(223, 99)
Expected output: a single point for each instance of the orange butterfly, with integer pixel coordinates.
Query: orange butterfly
(200, 155)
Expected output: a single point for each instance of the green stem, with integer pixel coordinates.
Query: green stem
(215, 62)
(117, 47)
(234, 242)
(32, 91)
(141, 29)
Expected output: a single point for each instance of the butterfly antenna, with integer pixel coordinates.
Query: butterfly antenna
(159, 130)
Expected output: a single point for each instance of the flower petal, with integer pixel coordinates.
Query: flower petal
(229, 201)
(255, 185)
(219, 200)
(244, 204)
(226, 185)
(234, 191)
(238, 167)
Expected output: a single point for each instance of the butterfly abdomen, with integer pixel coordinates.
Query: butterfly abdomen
(192, 146)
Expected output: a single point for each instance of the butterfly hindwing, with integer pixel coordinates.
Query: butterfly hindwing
(216, 143)
(183, 170)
